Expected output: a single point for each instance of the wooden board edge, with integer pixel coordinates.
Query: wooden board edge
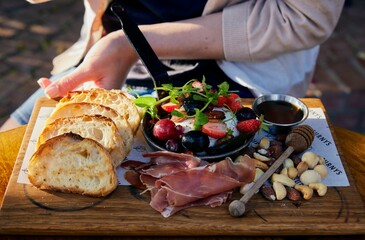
(28, 133)
(41, 102)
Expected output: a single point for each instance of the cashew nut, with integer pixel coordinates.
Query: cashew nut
(322, 170)
(292, 172)
(306, 191)
(264, 143)
(284, 171)
(261, 165)
(258, 174)
(288, 163)
(321, 188)
(310, 176)
(311, 159)
(280, 191)
(260, 157)
(245, 187)
(262, 151)
(302, 167)
(285, 180)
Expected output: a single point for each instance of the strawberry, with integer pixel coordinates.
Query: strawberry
(198, 85)
(221, 101)
(248, 126)
(215, 129)
(169, 107)
(234, 102)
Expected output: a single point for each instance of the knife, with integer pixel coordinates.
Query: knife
(143, 48)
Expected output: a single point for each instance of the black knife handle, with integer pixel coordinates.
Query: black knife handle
(141, 45)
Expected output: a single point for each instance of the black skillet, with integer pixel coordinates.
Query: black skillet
(159, 76)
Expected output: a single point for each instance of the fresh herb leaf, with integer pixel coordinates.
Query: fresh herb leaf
(175, 94)
(145, 101)
(223, 89)
(200, 119)
(177, 113)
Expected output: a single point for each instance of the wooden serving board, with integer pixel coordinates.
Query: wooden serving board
(27, 210)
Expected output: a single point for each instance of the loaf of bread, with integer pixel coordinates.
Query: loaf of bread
(70, 163)
(101, 129)
(92, 109)
(118, 100)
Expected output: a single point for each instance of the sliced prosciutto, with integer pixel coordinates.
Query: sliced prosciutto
(164, 163)
(179, 181)
(212, 201)
(194, 184)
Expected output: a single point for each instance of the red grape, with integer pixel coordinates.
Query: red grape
(165, 129)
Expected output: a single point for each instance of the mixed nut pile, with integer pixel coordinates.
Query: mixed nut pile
(298, 177)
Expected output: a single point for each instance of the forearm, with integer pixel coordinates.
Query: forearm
(261, 30)
(199, 38)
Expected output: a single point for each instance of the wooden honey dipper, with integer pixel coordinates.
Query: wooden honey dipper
(299, 139)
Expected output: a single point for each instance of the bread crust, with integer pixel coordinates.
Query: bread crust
(116, 99)
(84, 140)
(73, 164)
(93, 109)
(99, 128)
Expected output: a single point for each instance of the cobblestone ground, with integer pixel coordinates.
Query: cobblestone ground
(31, 35)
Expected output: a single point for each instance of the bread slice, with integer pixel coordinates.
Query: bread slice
(141, 110)
(92, 109)
(115, 99)
(70, 163)
(99, 128)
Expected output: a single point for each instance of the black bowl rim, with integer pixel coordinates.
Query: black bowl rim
(235, 152)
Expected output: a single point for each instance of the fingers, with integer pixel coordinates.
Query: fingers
(60, 87)
(44, 82)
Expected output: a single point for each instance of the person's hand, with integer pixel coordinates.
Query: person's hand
(106, 65)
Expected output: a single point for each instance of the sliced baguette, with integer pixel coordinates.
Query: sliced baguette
(141, 110)
(99, 128)
(92, 109)
(70, 163)
(115, 99)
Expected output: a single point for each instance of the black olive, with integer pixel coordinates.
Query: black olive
(245, 113)
(195, 141)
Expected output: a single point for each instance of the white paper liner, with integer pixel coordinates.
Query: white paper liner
(323, 145)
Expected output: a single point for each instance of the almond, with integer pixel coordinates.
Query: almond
(292, 194)
(268, 192)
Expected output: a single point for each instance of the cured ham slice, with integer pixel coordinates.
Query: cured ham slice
(163, 157)
(194, 184)
(212, 201)
(178, 181)
(164, 163)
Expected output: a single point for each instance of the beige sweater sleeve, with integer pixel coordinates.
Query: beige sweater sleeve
(263, 29)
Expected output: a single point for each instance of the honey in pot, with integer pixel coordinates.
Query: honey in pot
(280, 112)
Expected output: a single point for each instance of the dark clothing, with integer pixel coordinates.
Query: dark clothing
(152, 12)
(208, 69)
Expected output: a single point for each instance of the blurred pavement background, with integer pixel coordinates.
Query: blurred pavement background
(31, 35)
